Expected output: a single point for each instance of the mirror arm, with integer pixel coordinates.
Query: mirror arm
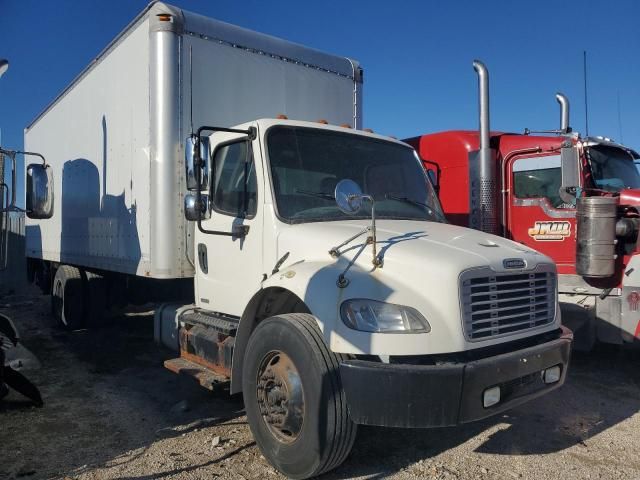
(35, 154)
(372, 239)
(11, 206)
(251, 132)
(335, 251)
(240, 231)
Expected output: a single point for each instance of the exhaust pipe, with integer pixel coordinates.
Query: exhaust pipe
(564, 112)
(483, 213)
(483, 103)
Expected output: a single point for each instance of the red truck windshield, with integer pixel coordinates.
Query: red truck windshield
(613, 169)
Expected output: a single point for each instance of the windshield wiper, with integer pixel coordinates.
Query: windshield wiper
(416, 203)
(326, 196)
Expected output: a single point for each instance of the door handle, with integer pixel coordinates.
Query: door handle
(202, 258)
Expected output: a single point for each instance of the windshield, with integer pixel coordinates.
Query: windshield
(613, 169)
(307, 163)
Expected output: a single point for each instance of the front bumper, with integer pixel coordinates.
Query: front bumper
(417, 396)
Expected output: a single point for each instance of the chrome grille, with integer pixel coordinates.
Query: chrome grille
(498, 304)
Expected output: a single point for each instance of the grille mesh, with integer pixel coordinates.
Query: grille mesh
(501, 304)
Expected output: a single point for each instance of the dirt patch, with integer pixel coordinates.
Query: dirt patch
(113, 412)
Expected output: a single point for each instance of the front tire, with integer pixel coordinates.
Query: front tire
(294, 399)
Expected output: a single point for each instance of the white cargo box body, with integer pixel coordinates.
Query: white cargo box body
(114, 137)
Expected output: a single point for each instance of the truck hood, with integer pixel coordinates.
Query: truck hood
(630, 196)
(422, 267)
(402, 243)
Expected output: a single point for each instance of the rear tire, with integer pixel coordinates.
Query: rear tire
(96, 300)
(302, 434)
(67, 302)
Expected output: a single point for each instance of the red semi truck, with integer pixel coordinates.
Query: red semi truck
(574, 199)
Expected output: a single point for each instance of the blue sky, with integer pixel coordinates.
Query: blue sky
(416, 54)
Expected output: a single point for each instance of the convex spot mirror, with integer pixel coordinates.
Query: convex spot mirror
(39, 192)
(194, 211)
(348, 196)
(190, 162)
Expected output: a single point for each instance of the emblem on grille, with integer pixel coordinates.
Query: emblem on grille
(512, 263)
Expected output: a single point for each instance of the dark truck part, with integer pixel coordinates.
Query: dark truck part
(402, 395)
(206, 342)
(9, 377)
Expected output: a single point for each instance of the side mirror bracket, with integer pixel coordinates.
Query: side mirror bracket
(197, 156)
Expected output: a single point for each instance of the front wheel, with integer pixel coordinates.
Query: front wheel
(294, 399)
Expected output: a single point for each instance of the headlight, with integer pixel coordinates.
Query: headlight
(374, 316)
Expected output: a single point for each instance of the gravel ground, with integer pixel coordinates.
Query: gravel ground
(112, 412)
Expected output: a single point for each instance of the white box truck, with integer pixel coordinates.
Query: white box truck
(325, 285)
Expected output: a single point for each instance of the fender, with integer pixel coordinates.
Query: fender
(314, 286)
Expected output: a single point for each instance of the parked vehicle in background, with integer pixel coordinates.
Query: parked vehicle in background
(574, 199)
(324, 285)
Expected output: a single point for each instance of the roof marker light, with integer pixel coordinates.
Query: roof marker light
(368, 130)
(345, 125)
(323, 121)
(164, 17)
(282, 116)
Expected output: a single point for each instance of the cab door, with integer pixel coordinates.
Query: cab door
(229, 267)
(538, 217)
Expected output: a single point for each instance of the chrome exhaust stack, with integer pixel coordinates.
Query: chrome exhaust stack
(564, 112)
(483, 212)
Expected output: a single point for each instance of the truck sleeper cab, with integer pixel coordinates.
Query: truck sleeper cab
(441, 325)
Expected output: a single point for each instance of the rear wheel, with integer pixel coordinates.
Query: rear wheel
(67, 304)
(294, 399)
(95, 300)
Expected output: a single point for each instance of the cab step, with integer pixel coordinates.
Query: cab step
(221, 323)
(204, 376)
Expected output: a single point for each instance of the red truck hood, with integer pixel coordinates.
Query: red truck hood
(630, 197)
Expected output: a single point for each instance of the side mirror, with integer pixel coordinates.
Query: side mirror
(190, 162)
(433, 178)
(194, 211)
(433, 173)
(570, 172)
(39, 191)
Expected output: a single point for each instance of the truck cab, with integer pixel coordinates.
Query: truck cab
(536, 184)
(327, 278)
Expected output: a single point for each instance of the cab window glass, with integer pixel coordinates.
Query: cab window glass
(234, 181)
(539, 177)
